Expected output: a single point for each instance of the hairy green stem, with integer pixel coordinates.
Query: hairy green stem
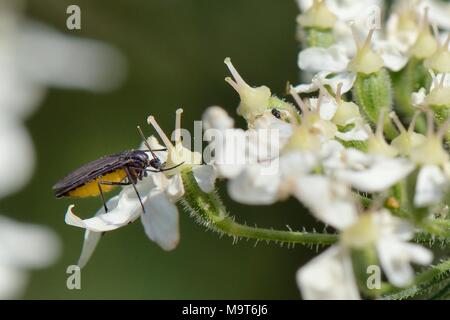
(426, 284)
(208, 209)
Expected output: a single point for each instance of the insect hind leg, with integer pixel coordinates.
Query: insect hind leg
(108, 183)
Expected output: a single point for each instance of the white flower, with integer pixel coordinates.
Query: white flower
(372, 173)
(331, 201)
(16, 155)
(331, 59)
(375, 171)
(254, 100)
(330, 275)
(235, 149)
(341, 113)
(254, 185)
(401, 26)
(438, 95)
(342, 64)
(433, 163)
(430, 187)
(23, 247)
(439, 12)
(160, 219)
(95, 66)
(328, 78)
(347, 10)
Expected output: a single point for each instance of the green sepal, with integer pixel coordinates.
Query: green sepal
(406, 81)
(373, 93)
(316, 37)
(361, 260)
(356, 144)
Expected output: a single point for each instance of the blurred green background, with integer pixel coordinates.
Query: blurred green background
(175, 51)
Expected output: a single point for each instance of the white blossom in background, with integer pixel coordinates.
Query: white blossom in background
(33, 57)
(23, 247)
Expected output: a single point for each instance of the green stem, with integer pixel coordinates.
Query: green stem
(208, 209)
(425, 285)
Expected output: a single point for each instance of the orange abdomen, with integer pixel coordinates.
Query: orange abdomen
(91, 189)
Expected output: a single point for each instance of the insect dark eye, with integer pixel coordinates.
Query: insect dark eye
(276, 113)
(155, 163)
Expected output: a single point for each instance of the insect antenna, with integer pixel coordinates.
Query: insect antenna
(147, 145)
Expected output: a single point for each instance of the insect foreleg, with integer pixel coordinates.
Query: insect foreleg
(131, 180)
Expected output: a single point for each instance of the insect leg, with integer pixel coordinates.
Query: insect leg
(130, 179)
(99, 184)
(175, 166)
(108, 183)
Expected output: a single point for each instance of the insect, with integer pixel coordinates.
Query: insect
(276, 113)
(102, 175)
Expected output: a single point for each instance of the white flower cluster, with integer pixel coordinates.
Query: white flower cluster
(343, 152)
(23, 82)
(330, 158)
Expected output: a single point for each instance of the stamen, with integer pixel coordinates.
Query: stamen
(369, 38)
(436, 33)
(441, 83)
(178, 128)
(151, 120)
(303, 108)
(232, 83)
(430, 124)
(397, 122)
(425, 18)
(320, 98)
(412, 124)
(380, 124)
(338, 92)
(237, 77)
(443, 130)
(446, 42)
(355, 35)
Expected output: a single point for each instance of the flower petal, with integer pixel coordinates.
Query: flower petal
(329, 276)
(394, 59)
(205, 175)
(160, 221)
(216, 117)
(430, 186)
(347, 79)
(358, 133)
(418, 98)
(90, 242)
(396, 256)
(25, 245)
(17, 153)
(381, 174)
(100, 67)
(124, 209)
(328, 200)
(315, 59)
(12, 282)
(254, 187)
(328, 107)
